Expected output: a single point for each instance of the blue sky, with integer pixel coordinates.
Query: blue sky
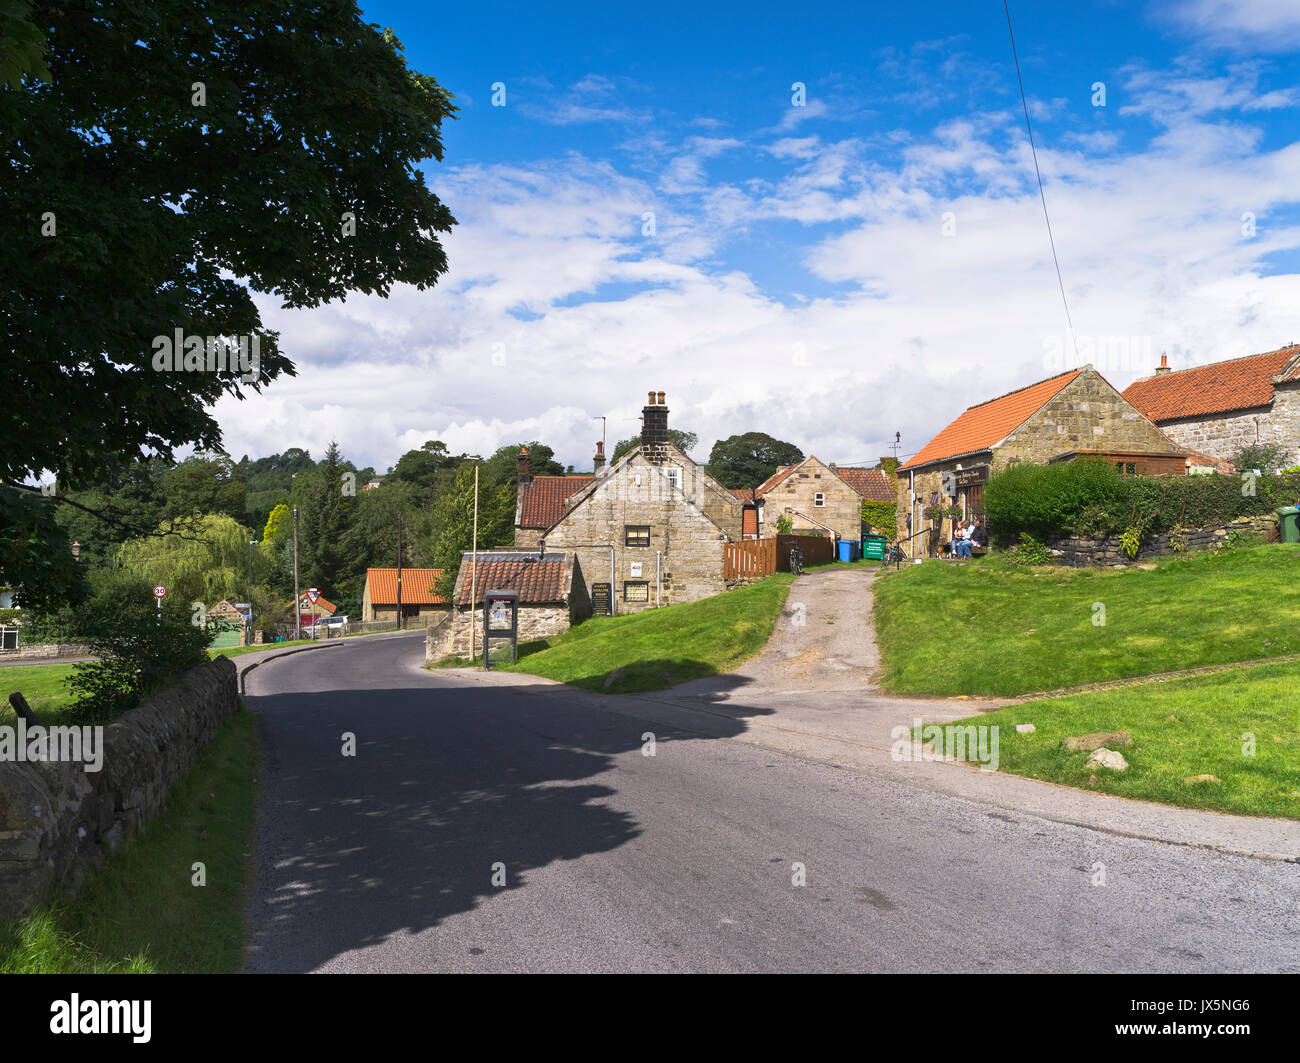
(870, 262)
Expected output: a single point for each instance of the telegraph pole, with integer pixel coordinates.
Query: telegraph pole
(297, 601)
(473, 573)
(399, 571)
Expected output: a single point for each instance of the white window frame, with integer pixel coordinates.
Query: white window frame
(819, 500)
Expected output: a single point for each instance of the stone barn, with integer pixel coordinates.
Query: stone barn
(552, 598)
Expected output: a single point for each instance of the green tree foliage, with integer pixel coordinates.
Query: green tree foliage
(428, 468)
(680, 438)
(140, 649)
(325, 555)
(206, 564)
(179, 156)
(279, 526)
(273, 480)
(749, 459)
(503, 466)
(453, 521)
(201, 485)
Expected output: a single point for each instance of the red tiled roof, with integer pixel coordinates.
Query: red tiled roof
(1237, 384)
(873, 484)
(538, 582)
(1210, 461)
(745, 494)
(544, 499)
(775, 479)
(417, 586)
(979, 427)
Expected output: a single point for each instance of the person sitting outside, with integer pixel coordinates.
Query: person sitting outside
(962, 547)
(980, 535)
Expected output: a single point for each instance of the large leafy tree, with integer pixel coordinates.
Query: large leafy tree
(326, 558)
(204, 485)
(749, 459)
(179, 156)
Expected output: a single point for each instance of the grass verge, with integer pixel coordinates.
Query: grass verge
(140, 913)
(659, 647)
(989, 628)
(1181, 729)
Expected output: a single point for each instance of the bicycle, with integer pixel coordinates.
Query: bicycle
(895, 555)
(796, 560)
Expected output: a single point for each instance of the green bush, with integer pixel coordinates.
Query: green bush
(1046, 499)
(881, 515)
(1090, 499)
(1029, 551)
(140, 649)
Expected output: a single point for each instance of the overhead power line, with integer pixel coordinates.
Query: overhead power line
(1039, 174)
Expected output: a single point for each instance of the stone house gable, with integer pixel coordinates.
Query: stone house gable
(663, 536)
(1087, 415)
(817, 499)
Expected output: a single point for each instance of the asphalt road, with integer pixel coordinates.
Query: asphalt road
(683, 861)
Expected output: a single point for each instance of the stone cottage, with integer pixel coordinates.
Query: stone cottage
(420, 597)
(552, 598)
(649, 530)
(1226, 406)
(820, 499)
(540, 500)
(1075, 414)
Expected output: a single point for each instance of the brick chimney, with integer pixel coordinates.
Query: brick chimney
(1163, 367)
(598, 463)
(525, 476)
(654, 428)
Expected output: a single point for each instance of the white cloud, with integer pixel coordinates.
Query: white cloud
(1239, 25)
(899, 327)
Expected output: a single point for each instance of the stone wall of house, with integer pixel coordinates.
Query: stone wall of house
(38, 650)
(684, 542)
(1076, 552)
(527, 538)
(57, 820)
(1088, 414)
(453, 636)
(1225, 434)
(841, 510)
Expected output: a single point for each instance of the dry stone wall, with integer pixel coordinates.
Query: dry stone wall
(58, 820)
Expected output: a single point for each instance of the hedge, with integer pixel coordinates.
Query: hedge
(1089, 498)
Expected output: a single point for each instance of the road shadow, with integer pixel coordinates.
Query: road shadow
(447, 781)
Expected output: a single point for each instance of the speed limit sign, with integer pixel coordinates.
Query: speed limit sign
(160, 591)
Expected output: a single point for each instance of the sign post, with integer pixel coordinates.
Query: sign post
(159, 593)
(312, 596)
(500, 622)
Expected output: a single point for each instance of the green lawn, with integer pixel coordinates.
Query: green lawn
(141, 912)
(237, 651)
(1210, 715)
(989, 628)
(43, 685)
(660, 647)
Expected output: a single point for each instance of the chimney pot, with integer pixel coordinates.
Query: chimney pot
(1163, 367)
(661, 398)
(651, 400)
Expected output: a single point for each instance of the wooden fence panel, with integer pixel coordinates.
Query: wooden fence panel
(749, 559)
(755, 558)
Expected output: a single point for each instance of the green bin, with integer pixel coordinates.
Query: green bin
(873, 547)
(1289, 525)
